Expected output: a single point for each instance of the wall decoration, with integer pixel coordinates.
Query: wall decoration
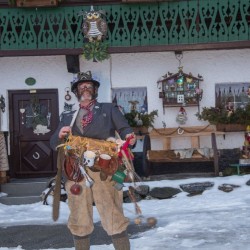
(2, 103)
(180, 89)
(22, 111)
(48, 115)
(67, 96)
(94, 25)
(95, 29)
(232, 107)
(181, 117)
(37, 116)
(133, 104)
(129, 99)
(96, 51)
(231, 96)
(30, 81)
(68, 107)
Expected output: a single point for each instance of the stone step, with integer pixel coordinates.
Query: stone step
(23, 191)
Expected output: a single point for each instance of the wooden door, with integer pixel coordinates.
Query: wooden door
(33, 117)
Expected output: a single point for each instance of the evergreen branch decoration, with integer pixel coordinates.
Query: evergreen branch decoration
(96, 50)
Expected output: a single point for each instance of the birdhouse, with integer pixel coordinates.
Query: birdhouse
(180, 89)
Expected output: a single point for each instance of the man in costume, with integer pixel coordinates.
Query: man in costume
(98, 121)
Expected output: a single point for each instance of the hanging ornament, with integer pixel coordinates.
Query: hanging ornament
(76, 189)
(94, 29)
(180, 83)
(37, 116)
(171, 84)
(48, 115)
(96, 51)
(181, 117)
(2, 103)
(67, 97)
(94, 25)
(189, 79)
(22, 111)
(68, 107)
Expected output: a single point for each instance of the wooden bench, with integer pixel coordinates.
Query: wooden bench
(167, 155)
(238, 166)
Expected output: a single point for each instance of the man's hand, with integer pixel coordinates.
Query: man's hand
(64, 132)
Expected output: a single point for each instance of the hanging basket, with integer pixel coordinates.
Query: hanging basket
(140, 130)
(230, 127)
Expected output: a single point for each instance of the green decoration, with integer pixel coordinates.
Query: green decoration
(220, 115)
(96, 50)
(30, 81)
(137, 119)
(36, 113)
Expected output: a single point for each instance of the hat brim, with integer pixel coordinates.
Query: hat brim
(75, 84)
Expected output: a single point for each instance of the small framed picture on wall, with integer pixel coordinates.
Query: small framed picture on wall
(129, 99)
(232, 96)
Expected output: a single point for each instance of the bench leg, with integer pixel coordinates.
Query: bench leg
(238, 170)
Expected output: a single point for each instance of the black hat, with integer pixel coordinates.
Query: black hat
(83, 77)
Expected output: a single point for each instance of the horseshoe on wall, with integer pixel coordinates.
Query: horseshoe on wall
(180, 131)
(36, 155)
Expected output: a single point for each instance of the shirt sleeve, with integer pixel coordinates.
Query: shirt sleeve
(120, 122)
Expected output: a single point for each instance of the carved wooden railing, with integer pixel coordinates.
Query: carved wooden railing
(145, 24)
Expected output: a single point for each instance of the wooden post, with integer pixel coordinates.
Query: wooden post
(167, 143)
(3, 177)
(195, 142)
(216, 156)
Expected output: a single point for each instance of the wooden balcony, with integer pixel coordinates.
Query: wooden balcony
(132, 27)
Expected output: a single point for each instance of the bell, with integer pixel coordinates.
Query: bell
(138, 221)
(151, 221)
(118, 186)
(76, 189)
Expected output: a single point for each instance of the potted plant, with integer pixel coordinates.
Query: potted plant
(226, 120)
(140, 122)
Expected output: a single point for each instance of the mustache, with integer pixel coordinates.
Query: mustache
(84, 98)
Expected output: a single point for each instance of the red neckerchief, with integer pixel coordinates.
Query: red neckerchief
(86, 119)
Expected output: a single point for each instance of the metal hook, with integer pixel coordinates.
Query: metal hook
(179, 56)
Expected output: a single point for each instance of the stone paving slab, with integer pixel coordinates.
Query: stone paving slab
(32, 237)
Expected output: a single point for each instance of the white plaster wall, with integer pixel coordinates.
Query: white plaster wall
(49, 72)
(130, 70)
(214, 66)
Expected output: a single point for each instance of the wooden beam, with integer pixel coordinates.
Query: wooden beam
(131, 49)
(182, 47)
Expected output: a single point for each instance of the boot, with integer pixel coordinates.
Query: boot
(121, 241)
(81, 242)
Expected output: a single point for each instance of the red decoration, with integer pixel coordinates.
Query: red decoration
(125, 148)
(76, 189)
